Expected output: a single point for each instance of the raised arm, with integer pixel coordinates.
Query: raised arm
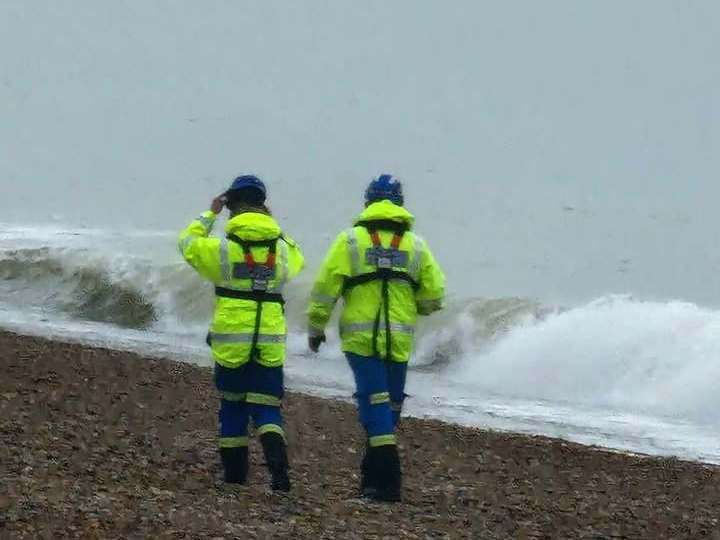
(200, 250)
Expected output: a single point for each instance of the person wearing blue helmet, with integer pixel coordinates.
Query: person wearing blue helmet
(385, 187)
(246, 190)
(387, 276)
(249, 267)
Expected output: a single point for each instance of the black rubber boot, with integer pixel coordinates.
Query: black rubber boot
(368, 473)
(235, 463)
(277, 462)
(389, 474)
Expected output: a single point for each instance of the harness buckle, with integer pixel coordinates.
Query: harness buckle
(384, 262)
(386, 258)
(260, 285)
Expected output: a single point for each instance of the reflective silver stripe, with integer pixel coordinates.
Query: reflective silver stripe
(321, 298)
(283, 268)
(356, 327)
(247, 338)
(354, 252)
(186, 243)
(416, 264)
(225, 260)
(369, 327)
(207, 222)
(403, 328)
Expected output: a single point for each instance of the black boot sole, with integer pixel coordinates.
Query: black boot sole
(282, 487)
(385, 497)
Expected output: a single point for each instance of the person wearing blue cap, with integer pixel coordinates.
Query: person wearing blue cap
(249, 267)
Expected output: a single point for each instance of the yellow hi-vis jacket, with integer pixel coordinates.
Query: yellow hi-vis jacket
(223, 262)
(363, 323)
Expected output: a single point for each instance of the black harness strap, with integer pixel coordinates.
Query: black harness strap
(255, 296)
(381, 274)
(376, 329)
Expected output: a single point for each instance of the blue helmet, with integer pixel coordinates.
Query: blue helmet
(248, 181)
(247, 188)
(385, 187)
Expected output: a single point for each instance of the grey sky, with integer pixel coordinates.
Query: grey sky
(497, 114)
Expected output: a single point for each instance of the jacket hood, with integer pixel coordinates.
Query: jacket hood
(253, 226)
(387, 211)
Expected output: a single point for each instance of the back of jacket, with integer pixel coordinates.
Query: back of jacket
(224, 263)
(363, 327)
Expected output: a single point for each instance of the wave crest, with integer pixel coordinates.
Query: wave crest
(69, 283)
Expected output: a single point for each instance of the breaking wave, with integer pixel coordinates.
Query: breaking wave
(135, 292)
(616, 353)
(120, 290)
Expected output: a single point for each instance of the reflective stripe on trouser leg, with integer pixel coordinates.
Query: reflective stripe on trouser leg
(233, 416)
(267, 419)
(262, 399)
(379, 397)
(271, 428)
(382, 440)
(373, 398)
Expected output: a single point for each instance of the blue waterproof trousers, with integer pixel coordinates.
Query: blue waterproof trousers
(380, 394)
(249, 391)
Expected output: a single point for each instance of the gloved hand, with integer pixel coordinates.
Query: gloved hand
(314, 342)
